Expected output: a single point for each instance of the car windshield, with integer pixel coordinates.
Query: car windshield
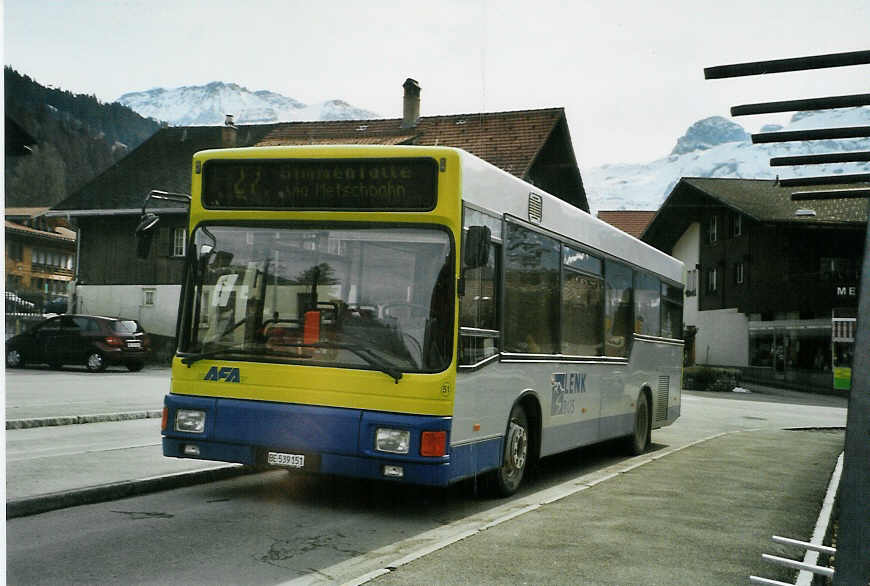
(366, 297)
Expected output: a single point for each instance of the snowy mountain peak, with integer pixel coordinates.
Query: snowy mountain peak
(717, 147)
(707, 133)
(206, 105)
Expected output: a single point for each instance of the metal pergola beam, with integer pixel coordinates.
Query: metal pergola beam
(851, 101)
(858, 192)
(791, 64)
(853, 547)
(819, 134)
(826, 180)
(848, 157)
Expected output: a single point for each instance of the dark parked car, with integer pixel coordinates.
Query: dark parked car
(91, 340)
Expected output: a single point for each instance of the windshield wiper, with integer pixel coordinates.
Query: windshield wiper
(373, 359)
(189, 360)
(370, 357)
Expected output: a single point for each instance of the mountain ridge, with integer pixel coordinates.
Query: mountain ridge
(207, 105)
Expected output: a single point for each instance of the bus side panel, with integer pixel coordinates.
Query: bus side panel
(658, 365)
(581, 403)
(568, 395)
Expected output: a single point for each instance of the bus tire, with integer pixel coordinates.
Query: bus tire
(505, 480)
(638, 442)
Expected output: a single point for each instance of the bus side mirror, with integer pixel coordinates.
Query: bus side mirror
(476, 251)
(145, 234)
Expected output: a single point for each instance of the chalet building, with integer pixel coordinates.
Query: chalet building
(771, 284)
(40, 264)
(534, 145)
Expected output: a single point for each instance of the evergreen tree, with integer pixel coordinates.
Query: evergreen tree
(77, 137)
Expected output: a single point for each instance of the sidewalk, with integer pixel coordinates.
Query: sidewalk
(702, 515)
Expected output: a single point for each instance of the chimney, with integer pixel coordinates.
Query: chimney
(228, 132)
(411, 104)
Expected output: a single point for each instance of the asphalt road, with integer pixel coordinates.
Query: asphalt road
(272, 528)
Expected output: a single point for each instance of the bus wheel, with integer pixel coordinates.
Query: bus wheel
(506, 480)
(638, 442)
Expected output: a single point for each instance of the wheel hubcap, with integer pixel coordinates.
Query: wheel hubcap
(13, 358)
(517, 449)
(95, 361)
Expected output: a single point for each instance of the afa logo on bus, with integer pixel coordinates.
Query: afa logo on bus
(226, 374)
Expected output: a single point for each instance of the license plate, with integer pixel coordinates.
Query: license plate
(134, 344)
(286, 460)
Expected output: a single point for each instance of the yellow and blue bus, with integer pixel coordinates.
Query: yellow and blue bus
(412, 314)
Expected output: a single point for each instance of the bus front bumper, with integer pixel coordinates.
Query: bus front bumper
(321, 440)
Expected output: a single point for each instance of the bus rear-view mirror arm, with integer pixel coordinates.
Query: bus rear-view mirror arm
(148, 221)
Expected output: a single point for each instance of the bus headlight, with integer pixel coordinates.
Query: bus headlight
(395, 441)
(190, 421)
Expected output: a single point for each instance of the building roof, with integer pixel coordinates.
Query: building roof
(515, 141)
(633, 222)
(768, 201)
(66, 236)
(508, 140)
(764, 200)
(25, 213)
(161, 162)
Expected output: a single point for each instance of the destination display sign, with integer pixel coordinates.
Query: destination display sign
(406, 184)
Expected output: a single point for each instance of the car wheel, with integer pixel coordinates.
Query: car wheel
(55, 365)
(14, 359)
(638, 442)
(506, 480)
(135, 366)
(95, 362)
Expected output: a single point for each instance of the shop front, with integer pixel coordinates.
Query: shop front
(795, 351)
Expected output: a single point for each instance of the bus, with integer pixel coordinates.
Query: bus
(412, 314)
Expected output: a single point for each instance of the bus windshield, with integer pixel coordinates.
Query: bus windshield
(362, 297)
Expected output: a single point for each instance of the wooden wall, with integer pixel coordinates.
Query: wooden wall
(108, 252)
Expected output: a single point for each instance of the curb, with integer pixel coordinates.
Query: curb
(117, 490)
(77, 419)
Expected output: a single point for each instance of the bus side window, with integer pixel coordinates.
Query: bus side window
(582, 303)
(672, 311)
(478, 311)
(647, 304)
(532, 296)
(618, 306)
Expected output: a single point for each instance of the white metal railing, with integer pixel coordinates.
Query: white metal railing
(808, 567)
(805, 568)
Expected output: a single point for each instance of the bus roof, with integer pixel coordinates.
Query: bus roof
(491, 188)
(488, 187)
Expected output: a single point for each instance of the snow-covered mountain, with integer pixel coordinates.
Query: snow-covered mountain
(717, 147)
(207, 105)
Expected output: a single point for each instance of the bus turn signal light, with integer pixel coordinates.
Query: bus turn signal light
(433, 443)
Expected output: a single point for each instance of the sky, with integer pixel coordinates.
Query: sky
(629, 74)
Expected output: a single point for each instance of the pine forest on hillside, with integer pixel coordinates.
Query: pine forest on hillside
(77, 137)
